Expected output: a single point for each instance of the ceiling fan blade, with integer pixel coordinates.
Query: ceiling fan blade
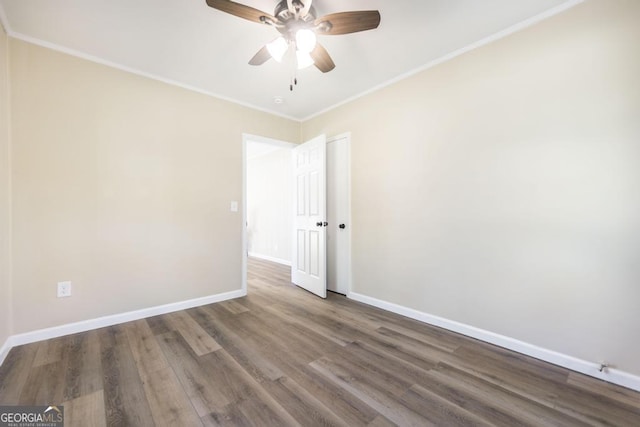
(242, 11)
(348, 22)
(306, 7)
(321, 59)
(261, 57)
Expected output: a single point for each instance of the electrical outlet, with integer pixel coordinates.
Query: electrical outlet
(64, 289)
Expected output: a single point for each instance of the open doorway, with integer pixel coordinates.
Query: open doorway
(268, 207)
(267, 201)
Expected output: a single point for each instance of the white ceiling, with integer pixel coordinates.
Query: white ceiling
(190, 44)
(255, 149)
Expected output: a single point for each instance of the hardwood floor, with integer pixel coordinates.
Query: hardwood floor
(281, 356)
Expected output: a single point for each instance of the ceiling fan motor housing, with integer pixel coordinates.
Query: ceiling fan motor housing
(296, 21)
(284, 15)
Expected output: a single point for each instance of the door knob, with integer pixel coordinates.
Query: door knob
(342, 226)
(318, 224)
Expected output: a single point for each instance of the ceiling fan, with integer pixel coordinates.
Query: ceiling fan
(298, 25)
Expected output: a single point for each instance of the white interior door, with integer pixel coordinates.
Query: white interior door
(309, 260)
(338, 213)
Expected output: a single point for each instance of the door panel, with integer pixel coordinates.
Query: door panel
(338, 212)
(308, 269)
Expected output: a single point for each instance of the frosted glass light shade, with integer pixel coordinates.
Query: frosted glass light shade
(304, 59)
(305, 40)
(278, 48)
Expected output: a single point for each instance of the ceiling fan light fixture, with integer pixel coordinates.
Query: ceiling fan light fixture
(305, 40)
(298, 24)
(304, 59)
(278, 48)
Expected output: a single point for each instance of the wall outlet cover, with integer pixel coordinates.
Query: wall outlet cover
(64, 289)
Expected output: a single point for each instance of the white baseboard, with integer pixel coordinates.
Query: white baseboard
(114, 319)
(4, 350)
(270, 258)
(592, 369)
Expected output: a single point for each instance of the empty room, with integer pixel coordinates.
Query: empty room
(301, 213)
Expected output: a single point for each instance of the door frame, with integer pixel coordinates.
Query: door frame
(347, 136)
(246, 137)
(249, 137)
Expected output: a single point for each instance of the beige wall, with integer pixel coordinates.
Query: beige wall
(269, 205)
(122, 185)
(5, 208)
(501, 189)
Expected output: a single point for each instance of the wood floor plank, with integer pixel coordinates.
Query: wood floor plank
(86, 410)
(243, 350)
(113, 335)
(295, 341)
(535, 386)
(376, 375)
(230, 416)
(302, 405)
(262, 414)
(242, 389)
(378, 399)
(124, 398)
(368, 356)
(198, 339)
(505, 400)
(198, 382)
(345, 405)
(288, 314)
(44, 385)
(427, 336)
(611, 391)
(234, 307)
(83, 366)
(381, 421)
(280, 356)
(438, 410)
(50, 351)
(158, 325)
(145, 350)
(15, 371)
(169, 404)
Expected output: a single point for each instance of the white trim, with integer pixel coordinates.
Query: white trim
(270, 258)
(4, 21)
(6, 347)
(101, 61)
(496, 36)
(500, 34)
(4, 350)
(347, 136)
(101, 322)
(246, 137)
(243, 234)
(264, 140)
(592, 369)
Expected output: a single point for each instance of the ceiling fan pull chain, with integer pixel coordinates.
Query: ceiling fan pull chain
(297, 19)
(293, 81)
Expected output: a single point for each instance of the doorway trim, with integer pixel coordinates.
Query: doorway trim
(347, 136)
(246, 137)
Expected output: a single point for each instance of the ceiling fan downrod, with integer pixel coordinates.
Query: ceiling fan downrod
(298, 25)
